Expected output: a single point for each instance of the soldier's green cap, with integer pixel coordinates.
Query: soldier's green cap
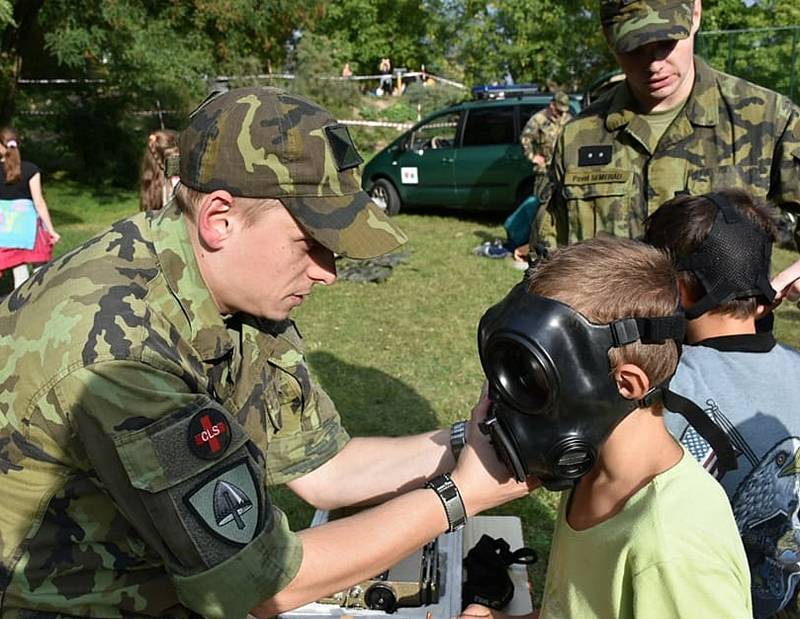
(561, 100)
(633, 23)
(266, 143)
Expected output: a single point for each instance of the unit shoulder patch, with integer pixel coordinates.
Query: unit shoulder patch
(228, 503)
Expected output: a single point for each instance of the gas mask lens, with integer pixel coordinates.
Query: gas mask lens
(519, 376)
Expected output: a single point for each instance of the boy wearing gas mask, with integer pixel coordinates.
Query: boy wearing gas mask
(745, 381)
(578, 359)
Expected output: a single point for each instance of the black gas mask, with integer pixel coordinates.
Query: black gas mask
(554, 399)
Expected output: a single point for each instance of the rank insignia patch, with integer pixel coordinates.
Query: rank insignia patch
(228, 504)
(594, 155)
(209, 434)
(344, 151)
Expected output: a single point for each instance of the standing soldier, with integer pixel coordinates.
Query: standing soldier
(539, 137)
(153, 388)
(674, 126)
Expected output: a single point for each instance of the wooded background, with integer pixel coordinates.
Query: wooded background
(119, 62)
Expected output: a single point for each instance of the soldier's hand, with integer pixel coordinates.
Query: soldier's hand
(787, 283)
(477, 610)
(482, 479)
(539, 160)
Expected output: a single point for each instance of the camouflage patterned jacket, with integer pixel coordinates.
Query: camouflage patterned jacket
(608, 174)
(540, 133)
(139, 430)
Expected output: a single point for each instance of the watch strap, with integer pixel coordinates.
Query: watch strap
(458, 437)
(450, 497)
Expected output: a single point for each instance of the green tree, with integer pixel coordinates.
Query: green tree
(544, 41)
(372, 29)
(755, 41)
(134, 55)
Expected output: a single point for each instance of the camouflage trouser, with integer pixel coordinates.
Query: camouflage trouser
(542, 185)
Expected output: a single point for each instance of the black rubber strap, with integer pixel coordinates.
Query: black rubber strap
(705, 426)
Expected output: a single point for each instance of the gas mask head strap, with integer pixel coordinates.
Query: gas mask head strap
(648, 330)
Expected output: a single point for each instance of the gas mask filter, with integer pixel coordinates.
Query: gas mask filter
(554, 399)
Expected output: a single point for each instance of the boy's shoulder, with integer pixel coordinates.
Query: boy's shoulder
(740, 359)
(688, 514)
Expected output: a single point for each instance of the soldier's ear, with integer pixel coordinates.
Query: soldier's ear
(697, 15)
(215, 220)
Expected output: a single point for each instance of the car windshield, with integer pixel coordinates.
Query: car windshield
(439, 132)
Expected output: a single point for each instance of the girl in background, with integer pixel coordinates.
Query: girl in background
(27, 235)
(158, 171)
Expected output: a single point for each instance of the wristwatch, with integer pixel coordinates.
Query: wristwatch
(448, 493)
(458, 437)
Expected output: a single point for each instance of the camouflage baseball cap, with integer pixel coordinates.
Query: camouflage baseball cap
(633, 23)
(267, 143)
(561, 100)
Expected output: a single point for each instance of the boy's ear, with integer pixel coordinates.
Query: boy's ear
(762, 310)
(215, 219)
(632, 381)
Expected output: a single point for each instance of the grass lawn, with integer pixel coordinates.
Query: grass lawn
(398, 357)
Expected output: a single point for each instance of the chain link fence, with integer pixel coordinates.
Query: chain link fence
(769, 57)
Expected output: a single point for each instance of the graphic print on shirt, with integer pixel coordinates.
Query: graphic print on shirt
(765, 506)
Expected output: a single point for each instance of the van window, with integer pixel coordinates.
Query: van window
(439, 132)
(491, 125)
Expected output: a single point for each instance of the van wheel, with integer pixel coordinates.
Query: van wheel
(385, 196)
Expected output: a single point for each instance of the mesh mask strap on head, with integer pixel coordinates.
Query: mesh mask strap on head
(733, 261)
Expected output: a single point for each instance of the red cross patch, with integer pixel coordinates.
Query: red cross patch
(209, 434)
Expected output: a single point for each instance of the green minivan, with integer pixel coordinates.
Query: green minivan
(466, 156)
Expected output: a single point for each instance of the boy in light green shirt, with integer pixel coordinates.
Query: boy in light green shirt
(646, 532)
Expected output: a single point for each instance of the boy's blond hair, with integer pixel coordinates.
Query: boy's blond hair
(607, 279)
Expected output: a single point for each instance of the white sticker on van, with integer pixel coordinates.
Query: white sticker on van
(409, 176)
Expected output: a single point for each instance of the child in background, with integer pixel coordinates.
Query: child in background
(27, 235)
(747, 382)
(159, 173)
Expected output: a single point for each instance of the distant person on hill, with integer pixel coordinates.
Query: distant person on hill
(385, 68)
(157, 180)
(27, 235)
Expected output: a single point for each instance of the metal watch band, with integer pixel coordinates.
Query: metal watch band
(458, 437)
(448, 493)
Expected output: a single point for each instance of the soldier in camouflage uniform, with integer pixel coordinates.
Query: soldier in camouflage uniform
(538, 140)
(674, 126)
(153, 388)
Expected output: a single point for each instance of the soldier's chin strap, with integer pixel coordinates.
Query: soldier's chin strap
(700, 421)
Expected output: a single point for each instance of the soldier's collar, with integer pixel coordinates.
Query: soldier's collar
(702, 108)
(178, 264)
(703, 105)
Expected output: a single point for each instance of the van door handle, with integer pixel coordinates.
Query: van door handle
(448, 159)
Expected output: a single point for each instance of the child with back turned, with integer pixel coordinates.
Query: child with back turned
(641, 530)
(743, 379)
